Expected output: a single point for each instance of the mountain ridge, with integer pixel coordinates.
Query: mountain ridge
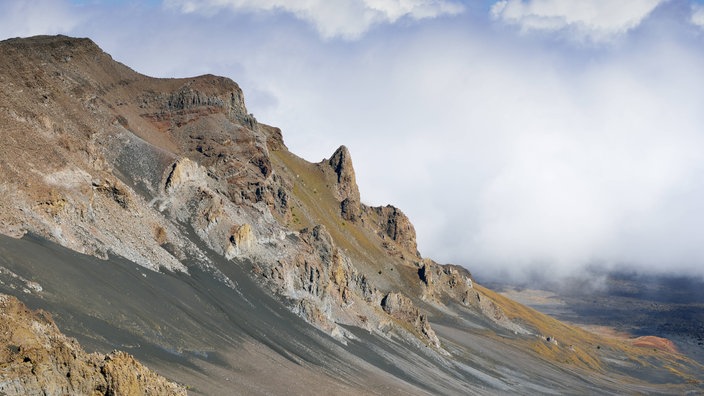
(176, 176)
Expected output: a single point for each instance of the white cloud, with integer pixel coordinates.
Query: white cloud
(348, 19)
(697, 17)
(594, 20)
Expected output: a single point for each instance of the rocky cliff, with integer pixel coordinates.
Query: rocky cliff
(130, 167)
(36, 359)
(176, 176)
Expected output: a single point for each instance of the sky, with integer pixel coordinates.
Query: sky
(521, 137)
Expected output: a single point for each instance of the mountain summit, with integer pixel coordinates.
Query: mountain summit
(159, 217)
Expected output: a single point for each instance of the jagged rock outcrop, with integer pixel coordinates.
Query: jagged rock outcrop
(394, 227)
(315, 276)
(402, 308)
(114, 190)
(241, 237)
(345, 190)
(341, 163)
(208, 92)
(447, 282)
(329, 291)
(274, 137)
(182, 171)
(35, 358)
(208, 120)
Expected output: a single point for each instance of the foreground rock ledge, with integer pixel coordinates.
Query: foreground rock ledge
(37, 359)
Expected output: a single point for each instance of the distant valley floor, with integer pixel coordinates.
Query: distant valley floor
(625, 304)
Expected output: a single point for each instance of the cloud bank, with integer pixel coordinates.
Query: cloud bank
(348, 19)
(593, 20)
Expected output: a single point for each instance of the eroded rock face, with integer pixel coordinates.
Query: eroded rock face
(182, 171)
(341, 163)
(319, 278)
(329, 291)
(211, 91)
(35, 358)
(394, 226)
(274, 137)
(447, 281)
(402, 308)
(208, 120)
(346, 190)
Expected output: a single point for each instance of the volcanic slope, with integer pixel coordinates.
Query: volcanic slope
(159, 217)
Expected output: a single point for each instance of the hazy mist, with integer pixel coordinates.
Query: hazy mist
(521, 137)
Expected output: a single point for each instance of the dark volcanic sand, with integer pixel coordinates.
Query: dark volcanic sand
(216, 340)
